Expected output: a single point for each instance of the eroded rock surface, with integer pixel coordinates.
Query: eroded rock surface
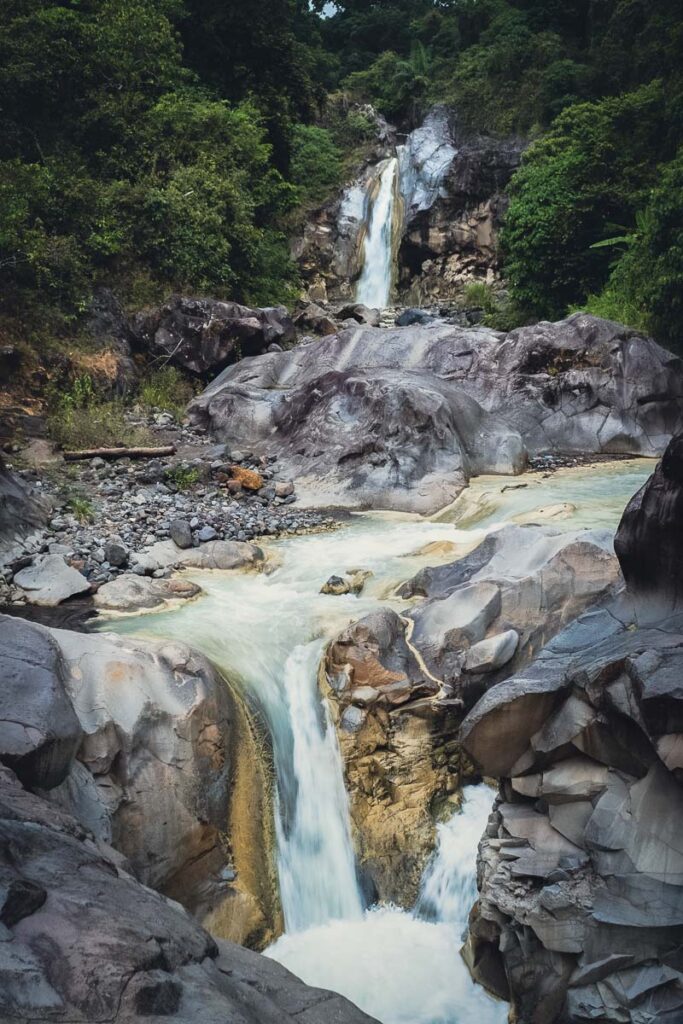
(146, 746)
(399, 684)
(82, 940)
(204, 335)
(580, 916)
(402, 418)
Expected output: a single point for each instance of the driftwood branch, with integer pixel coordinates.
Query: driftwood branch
(120, 453)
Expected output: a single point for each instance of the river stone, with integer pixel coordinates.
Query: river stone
(492, 653)
(215, 554)
(130, 593)
(116, 552)
(39, 731)
(49, 581)
(283, 488)
(205, 534)
(180, 533)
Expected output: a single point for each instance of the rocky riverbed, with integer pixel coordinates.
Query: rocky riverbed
(295, 771)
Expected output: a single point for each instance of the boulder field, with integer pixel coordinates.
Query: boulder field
(580, 915)
(402, 418)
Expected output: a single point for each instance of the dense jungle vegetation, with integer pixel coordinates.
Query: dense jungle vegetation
(153, 145)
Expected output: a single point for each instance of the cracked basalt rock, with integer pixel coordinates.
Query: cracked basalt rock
(398, 684)
(580, 914)
(204, 335)
(402, 418)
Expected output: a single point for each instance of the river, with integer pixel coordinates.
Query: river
(266, 631)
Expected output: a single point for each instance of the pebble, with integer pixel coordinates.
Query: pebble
(138, 503)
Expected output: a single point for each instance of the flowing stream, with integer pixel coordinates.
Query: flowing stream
(374, 285)
(267, 631)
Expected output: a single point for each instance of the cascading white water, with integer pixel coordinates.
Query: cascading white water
(374, 285)
(267, 631)
(400, 967)
(449, 885)
(316, 865)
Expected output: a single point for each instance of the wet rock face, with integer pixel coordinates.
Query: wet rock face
(648, 542)
(402, 418)
(39, 730)
(454, 186)
(581, 868)
(204, 335)
(140, 742)
(399, 684)
(83, 940)
(21, 512)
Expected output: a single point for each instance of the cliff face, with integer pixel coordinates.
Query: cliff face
(580, 916)
(452, 218)
(452, 198)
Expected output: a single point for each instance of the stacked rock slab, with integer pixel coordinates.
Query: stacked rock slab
(580, 916)
(400, 683)
(402, 418)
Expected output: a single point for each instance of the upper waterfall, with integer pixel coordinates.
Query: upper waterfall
(374, 286)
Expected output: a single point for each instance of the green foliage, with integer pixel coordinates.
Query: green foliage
(166, 389)
(479, 295)
(81, 508)
(183, 478)
(79, 418)
(645, 286)
(116, 165)
(316, 167)
(398, 85)
(593, 169)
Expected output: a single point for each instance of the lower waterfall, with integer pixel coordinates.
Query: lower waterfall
(396, 965)
(316, 864)
(267, 631)
(374, 285)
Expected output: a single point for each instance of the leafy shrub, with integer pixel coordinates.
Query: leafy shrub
(166, 389)
(316, 168)
(591, 170)
(81, 508)
(79, 419)
(183, 478)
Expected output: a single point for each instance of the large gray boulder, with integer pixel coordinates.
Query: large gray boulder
(580, 915)
(162, 737)
(204, 335)
(355, 429)
(49, 580)
(82, 940)
(39, 730)
(401, 418)
(22, 512)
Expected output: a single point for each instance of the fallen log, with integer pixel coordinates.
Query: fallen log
(120, 453)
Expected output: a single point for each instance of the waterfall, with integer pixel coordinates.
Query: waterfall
(316, 864)
(374, 286)
(402, 967)
(449, 886)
